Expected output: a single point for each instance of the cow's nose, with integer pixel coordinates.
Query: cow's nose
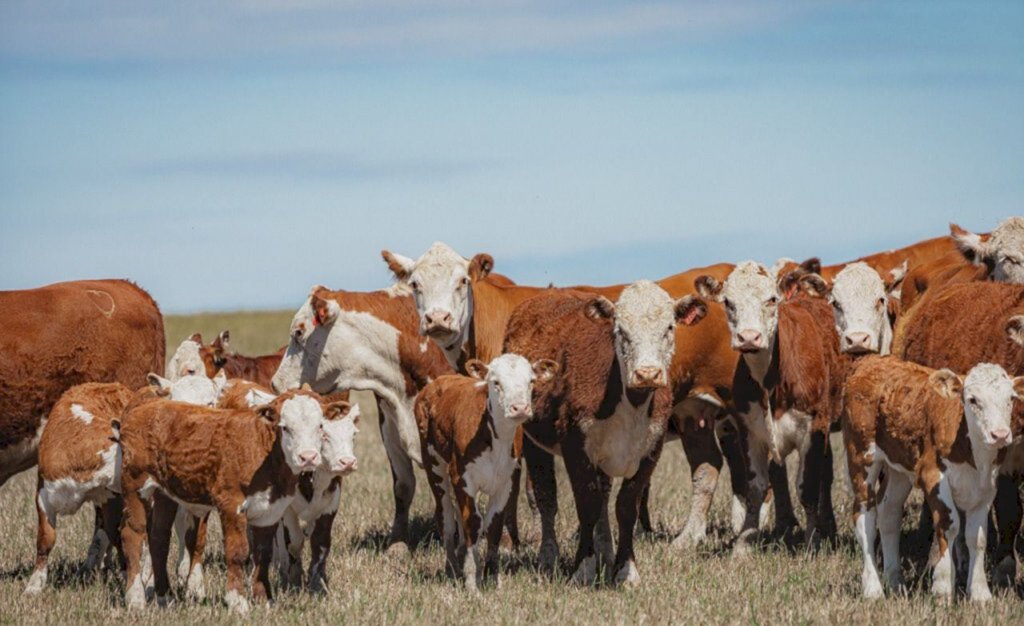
(439, 318)
(1001, 436)
(750, 338)
(857, 342)
(348, 464)
(649, 377)
(517, 410)
(309, 458)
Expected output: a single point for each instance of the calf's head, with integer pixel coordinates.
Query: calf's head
(1002, 253)
(859, 301)
(644, 321)
(194, 389)
(751, 297)
(215, 355)
(299, 417)
(988, 394)
(187, 359)
(510, 379)
(340, 427)
(441, 282)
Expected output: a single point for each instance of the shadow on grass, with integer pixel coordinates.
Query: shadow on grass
(422, 531)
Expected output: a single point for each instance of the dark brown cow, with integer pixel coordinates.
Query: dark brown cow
(55, 337)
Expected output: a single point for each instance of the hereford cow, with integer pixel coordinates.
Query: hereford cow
(242, 464)
(467, 313)
(913, 255)
(218, 357)
(607, 411)
(471, 442)
(788, 386)
(927, 427)
(957, 327)
(344, 340)
(62, 335)
(79, 461)
(187, 359)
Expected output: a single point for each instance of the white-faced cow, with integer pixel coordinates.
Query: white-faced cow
(1002, 253)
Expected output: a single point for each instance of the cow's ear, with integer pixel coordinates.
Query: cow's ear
(600, 308)
(255, 397)
(222, 341)
(545, 370)
(811, 265)
(196, 337)
(163, 385)
(815, 285)
(480, 266)
(400, 266)
(220, 381)
(1018, 387)
(337, 410)
(689, 310)
(946, 383)
(970, 245)
(268, 412)
(1015, 329)
(894, 279)
(324, 311)
(789, 283)
(708, 287)
(476, 369)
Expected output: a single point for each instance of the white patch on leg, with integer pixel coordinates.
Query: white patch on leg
(627, 575)
(135, 596)
(864, 529)
(586, 573)
(37, 582)
(739, 513)
(236, 602)
(196, 588)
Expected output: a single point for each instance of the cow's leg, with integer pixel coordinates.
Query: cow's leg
(732, 445)
(183, 521)
(826, 512)
(757, 485)
(1008, 513)
(451, 530)
(701, 448)
(511, 510)
(133, 538)
(236, 554)
(946, 521)
(112, 511)
(320, 546)
(46, 537)
(540, 465)
(890, 517)
(498, 505)
(263, 554)
(976, 535)
(294, 541)
(590, 488)
(626, 507)
(645, 512)
(403, 480)
(164, 512)
(471, 523)
(195, 544)
(99, 545)
(779, 497)
(863, 479)
(812, 459)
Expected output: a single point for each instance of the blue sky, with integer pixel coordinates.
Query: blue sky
(230, 155)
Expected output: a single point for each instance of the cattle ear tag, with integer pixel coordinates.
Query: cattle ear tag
(305, 387)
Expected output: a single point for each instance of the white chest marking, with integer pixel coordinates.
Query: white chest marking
(490, 472)
(261, 511)
(618, 443)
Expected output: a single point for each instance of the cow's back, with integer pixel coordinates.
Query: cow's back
(947, 269)
(449, 411)
(66, 334)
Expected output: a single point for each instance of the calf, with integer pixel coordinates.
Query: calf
(471, 440)
(218, 357)
(927, 427)
(80, 462)
(787, 387)
(243, 465)
(607, 411)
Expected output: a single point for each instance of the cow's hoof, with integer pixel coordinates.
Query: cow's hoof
(741, 549)
(980, 594)
(586, 574)
(547, 558)
(236, 602)
(1004, 574)
(689, 539)
(36, 583)
(398, 550)
(628, 576)
(162, 601)
(195, 587)
(873, 589)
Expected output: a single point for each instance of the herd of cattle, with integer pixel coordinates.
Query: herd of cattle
(915, 354)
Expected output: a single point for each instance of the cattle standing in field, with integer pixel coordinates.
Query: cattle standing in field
(63, 335)
(343, 340)
(467, 313)
(788, 387)
(947, 435)
(469, 431)
(607, 411)
(79, 460)
(242, 463)
(258, 369)
(912, 255)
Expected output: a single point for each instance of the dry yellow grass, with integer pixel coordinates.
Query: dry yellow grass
(704, 586)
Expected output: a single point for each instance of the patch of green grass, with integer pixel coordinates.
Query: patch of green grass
(774, 585)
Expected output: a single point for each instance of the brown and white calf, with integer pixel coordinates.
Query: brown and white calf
(469, 431)
(788, 387)
(80, 461)
(218, 357)
(946, 434)
(606, 412)
(242, 465)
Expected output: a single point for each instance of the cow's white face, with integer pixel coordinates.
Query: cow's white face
(304, 361)
(751, 299)
(1003, 253)
(300, 428)
(509, 379)
(859, 302)
(340, 428)
(988, 394)
(441, 282)
(187, 359)
(645, 319)
(194, 389)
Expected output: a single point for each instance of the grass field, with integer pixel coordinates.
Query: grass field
(701, 586)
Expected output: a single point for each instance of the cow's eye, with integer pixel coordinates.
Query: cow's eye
(837, 306)
(1012, 261)
(973, 401)
(773, 300)
(728, 304)
(464, 282)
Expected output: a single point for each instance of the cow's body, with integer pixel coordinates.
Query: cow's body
(883, 262)
(217, 356)
(909, 420)
(55, 337)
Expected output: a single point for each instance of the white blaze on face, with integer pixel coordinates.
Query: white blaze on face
(988, 404)
(194, 389)
(440, 284)
(510, 388)
(645, 338)
(186, 361)
(751, 298)
(301, 432)
(1003, 253)
(858, 300)
(338, 450)
(304, 361)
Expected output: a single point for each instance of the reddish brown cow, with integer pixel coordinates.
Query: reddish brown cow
(882, 262)
(63, 335)
(218, 356)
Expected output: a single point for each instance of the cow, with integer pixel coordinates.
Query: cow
(946, 434)
(606, 413)
(242, 463)
(217, 356)
(471, 442)
(912, 255)
(467, 313)
(956, 327)
(343, 340)
(787, 388)
(187, 359)
(79, 461)
(62, 335)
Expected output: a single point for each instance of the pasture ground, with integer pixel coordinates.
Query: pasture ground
(775, 585)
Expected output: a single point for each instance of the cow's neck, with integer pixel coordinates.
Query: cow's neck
(760, 363)
(273, 471)
(503, 431)
(616, 393)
